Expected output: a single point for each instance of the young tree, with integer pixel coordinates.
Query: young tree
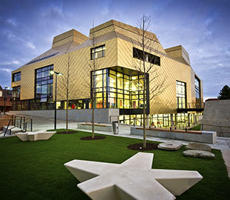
(147, 65)
(93, 66)
(224, 93)
(65, 85)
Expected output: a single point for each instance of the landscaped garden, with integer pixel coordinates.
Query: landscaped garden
(35, 170)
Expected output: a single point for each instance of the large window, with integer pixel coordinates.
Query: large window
(44, 84)
(197, 91)
(16, 92)
(139, 54)
(181, 94)
(97, 52)
(16, 77)
(114, 89)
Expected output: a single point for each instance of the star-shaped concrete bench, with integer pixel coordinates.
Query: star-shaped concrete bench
(132, 179)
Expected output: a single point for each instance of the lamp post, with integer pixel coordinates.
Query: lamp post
(55, 98)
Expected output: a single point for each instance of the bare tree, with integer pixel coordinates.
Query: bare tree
(93, 66)
(66, 85)
(147, 65)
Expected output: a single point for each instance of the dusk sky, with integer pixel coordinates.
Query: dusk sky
(27, 28)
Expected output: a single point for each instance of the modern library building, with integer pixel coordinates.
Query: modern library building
(108, 65)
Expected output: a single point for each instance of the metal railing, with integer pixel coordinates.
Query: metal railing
(23, 122)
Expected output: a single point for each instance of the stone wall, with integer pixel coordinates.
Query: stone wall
(217, 117)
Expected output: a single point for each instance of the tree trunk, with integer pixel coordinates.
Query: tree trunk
(93, 117)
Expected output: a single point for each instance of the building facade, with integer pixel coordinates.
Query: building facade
(5, 99)
(108, 65)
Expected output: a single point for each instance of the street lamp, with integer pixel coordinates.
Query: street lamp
(5, 98)
(55, 99)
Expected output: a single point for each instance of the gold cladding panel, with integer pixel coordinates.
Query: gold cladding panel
(170, 71)
(79, 72)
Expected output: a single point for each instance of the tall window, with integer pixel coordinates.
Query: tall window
(97, 52)
(16, 77)
(16, 92)
(137, 53)
(114, 89)
(181, 94)
(197, 91)
(44, 84)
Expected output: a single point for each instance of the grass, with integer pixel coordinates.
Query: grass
(196, 128)
(35, 170)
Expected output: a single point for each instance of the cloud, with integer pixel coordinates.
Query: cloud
(30, 45)
(6, 70)
(13, 62)
(11, 22)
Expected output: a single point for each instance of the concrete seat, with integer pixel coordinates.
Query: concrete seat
(35, 136)
(22, 136)
(132, 179)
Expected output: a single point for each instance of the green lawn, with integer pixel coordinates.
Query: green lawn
(196, 128)
(35, 170)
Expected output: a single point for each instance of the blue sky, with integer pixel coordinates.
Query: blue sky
(27, 28)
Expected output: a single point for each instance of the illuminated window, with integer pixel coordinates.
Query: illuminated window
(181, 94)
(113, 89)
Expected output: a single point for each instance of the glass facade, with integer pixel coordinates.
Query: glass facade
(115, 89)
(179, 120)
(44, 84)
(181, 94)
(16, 77)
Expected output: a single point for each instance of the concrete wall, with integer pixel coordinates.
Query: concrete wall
(205, 137)
(82, 115)
(217, 117)
(101, 127)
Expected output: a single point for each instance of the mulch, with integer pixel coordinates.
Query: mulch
(139, 146)
(96, 137)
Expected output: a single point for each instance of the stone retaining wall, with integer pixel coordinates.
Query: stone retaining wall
(217, 117)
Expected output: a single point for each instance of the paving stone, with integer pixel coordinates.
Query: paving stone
(198, 154)
(171, 146)
(198, 146)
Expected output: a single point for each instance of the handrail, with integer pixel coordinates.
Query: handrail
(8, 127)
(22, 122)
